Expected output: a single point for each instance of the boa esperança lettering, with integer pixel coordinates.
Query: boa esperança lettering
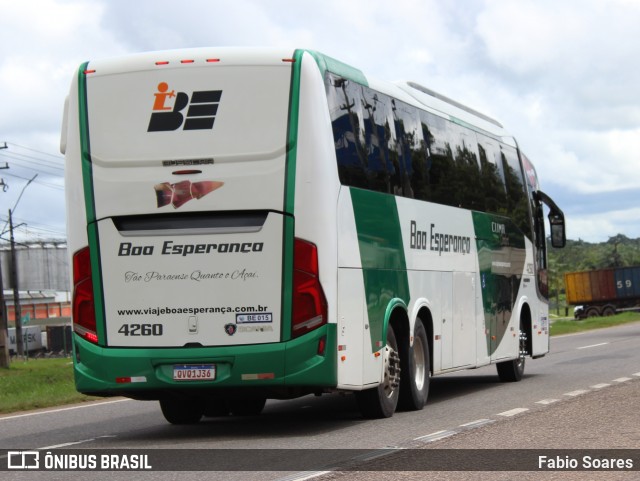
(171, 248)
(437, 241)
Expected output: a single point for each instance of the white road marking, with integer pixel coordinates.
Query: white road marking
(600, 386)
(547, 401)
(477, 422)
(437, 436)
(302, 476)
(378, 453)
(64, 445)
(593, 345)
(576, 393)
(513, 412)
(637, 374)
(50, 411)
(622, 379)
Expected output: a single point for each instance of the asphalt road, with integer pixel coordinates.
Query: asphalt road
(584, 394)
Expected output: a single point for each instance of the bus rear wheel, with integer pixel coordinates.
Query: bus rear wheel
(181, 411)
(247, 407)
(381, 401)
(414, 387)
(216, 408)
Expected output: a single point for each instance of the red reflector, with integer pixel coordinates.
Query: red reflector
(186, 61)
(87, 72)
(213, 60)
(290, 60)
(123, 380)
(164, 62)
(322, 346)
(258, 376)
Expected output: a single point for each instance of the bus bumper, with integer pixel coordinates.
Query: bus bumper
(278, 370)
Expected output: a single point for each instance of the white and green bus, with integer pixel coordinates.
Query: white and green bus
(252, 224)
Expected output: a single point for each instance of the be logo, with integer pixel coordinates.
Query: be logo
(203, 107)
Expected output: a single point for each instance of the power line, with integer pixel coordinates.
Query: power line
(37, 151)
(39, 182)
(33, 160)
(23, 220)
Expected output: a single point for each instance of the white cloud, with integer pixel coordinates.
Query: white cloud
(599, 227)
(562, 76)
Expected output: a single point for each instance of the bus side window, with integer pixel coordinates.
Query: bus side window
(412, 152)
(516, 193)
(442, 171)
(382, 173)
(345, 107)
(491, 179)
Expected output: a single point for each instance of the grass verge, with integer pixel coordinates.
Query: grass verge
(571, 326)
(38, 383)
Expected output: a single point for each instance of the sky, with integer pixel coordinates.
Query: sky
(562, 76)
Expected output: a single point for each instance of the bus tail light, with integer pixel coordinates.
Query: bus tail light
(309, 302)
(84, 313)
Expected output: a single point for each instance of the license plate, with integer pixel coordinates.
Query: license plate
(194, 372)
(254, 318)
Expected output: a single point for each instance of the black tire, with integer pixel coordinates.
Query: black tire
(608, 311)
(247, 407)
(181, 412)
(216, 408)
(592, 312)
(512, 371)
(381, 401)
(415, 364)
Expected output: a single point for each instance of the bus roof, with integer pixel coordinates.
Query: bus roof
(409, 92)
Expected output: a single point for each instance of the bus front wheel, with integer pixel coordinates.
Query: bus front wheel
(381, 401)
(512, 371)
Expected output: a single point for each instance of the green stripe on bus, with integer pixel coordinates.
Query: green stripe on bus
(384, 268)
(288, 225)
(332, 65)
(90, 207)
(501, 259)
(85, 156)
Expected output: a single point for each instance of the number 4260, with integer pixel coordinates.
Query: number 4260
(141, 330)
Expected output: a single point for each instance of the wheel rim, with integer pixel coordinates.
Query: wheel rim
(523, 349)
(420, 363)
(391, 370)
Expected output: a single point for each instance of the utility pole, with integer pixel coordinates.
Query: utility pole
(6, 166)
(5, 360)
(16, 292)
(14, 274)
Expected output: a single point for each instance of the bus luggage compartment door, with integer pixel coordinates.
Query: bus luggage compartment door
(209, 279)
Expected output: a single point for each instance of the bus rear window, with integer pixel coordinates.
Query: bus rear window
(232, 113)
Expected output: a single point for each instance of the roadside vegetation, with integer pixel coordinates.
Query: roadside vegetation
(38, 383)
(571, 326)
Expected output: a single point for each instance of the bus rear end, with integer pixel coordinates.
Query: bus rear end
(189, 285)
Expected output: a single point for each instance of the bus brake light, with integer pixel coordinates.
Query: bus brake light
(309, 302)
(84, 313)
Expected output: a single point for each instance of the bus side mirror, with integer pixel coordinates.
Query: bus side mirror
(558, 234)
(556, 219)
